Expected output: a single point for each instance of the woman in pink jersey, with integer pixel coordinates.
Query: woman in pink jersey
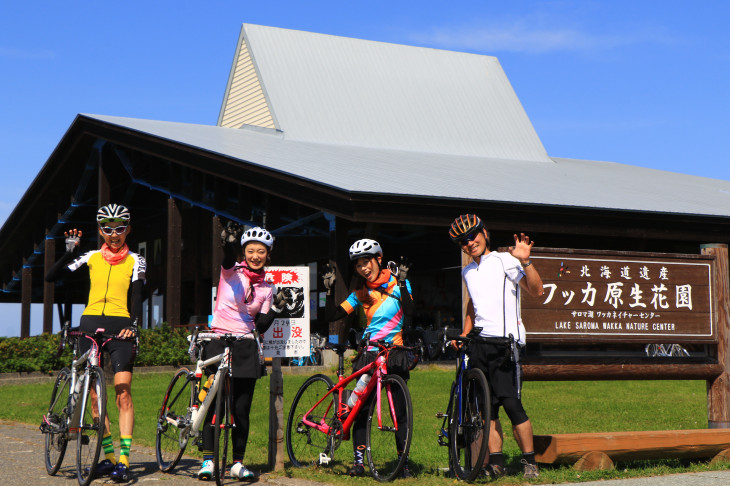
(244, 306)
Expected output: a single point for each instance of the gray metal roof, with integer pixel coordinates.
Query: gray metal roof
(563, 182)
(338, 90)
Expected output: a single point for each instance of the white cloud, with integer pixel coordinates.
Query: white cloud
(536, 37)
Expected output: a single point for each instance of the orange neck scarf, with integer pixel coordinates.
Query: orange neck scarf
(111, 257)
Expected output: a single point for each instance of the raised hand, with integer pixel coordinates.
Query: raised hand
(328, 277)
(231, 232)
(73, 239)
(404, 265)
(522, 248)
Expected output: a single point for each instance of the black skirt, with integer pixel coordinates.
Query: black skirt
(245, 357)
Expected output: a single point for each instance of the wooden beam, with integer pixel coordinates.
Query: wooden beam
(718, 388)
(26, 295)
(682, 444)
(174, 263)
(49, 288)
(549, 370)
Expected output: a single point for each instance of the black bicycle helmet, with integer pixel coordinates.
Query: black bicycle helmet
(464, 225)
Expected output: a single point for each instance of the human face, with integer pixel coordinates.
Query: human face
(256, 254)
(477, 246)
(118, 237)
(368, 267)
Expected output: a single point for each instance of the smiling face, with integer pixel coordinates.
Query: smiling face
(119, 231)
(368, 267)
(256, 255)
(477, 246)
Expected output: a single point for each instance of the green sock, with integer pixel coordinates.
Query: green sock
(108, 445)
(126, 444)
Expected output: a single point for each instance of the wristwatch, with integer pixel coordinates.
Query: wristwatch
(527, 264)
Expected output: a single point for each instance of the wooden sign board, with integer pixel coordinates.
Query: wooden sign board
(601, 296)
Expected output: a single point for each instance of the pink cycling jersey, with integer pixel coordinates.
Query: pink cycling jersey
(232, 314)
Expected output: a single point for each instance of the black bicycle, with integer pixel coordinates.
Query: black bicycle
(465, 427)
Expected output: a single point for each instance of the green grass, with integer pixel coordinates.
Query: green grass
(554, 407)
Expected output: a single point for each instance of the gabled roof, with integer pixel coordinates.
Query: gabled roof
(341, 91)
(562, 182)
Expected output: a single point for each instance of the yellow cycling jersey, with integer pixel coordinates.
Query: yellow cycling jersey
(110, 283)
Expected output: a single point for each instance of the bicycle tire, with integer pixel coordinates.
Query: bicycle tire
(222, 429)
(56, 439)
(469, 438)
(170, 439)
(387, 448)
(304, 444)
(88, 442)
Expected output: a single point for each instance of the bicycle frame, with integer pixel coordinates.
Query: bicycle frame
(380, 369)
(462, 367)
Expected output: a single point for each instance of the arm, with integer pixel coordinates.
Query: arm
(331, 313)
(406, 300)
(231, 238)
(264, 321)
(135, 310)
(531, 283)
(73, 239)
(468, 319)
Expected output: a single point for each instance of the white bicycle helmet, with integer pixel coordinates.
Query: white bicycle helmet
(114, 213)
(259, 235)
(365, 248)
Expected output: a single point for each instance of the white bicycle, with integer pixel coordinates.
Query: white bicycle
(182, 414)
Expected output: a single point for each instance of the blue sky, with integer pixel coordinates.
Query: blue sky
(640, 82)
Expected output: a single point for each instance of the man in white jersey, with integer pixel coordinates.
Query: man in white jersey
(494, 280)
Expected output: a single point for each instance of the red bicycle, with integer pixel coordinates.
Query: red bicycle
(320, 419)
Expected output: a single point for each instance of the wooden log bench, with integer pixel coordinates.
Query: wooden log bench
(599, 450)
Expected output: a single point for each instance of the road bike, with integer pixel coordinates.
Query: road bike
(78, 405)
(320, 419)
(182, 413)
(666, 351)
(316, 343)
(465, 427)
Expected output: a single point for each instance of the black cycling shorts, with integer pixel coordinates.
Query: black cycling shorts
(500, 370)
(122, 353)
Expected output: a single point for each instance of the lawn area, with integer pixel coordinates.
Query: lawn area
(554, 407)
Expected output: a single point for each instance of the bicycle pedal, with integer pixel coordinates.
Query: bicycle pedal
(324, 459)
(441, 415)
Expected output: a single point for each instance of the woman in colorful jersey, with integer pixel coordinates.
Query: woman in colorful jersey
(385, 300)
(116, 274)
(244, 304)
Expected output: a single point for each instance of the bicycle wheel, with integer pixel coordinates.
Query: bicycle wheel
(303, 443)
(388, 444)
(222, 429)
(56, 422)
(468, 438)
(173, 421)
(88, 443)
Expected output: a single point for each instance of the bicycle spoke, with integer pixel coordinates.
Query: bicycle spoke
(55, 422)
(90, 432)
(469, 435)
(388, 443)
(305, 444)
(173, 421)
(222, 429)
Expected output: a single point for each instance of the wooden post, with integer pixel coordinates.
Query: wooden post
(26, 296)
(337, 249)
(718, 390)
(465, 260)
(216, 254)
(103, 189)
(48, 287)
(25, 301)
(174, 263)
(276, 416)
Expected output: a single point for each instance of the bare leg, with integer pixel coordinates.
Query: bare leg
(523, 436)
(123, 387)
(495, 437)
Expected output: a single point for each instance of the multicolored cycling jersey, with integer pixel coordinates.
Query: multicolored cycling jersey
(384, 317)
(110, 283)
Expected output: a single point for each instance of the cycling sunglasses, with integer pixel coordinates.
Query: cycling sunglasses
(108, 230)
(469, 237)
